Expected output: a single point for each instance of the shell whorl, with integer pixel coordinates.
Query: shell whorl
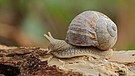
(92, 28)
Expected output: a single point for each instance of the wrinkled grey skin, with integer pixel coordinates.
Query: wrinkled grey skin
(61, 49)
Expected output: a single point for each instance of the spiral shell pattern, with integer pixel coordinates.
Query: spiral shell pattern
(92, 28)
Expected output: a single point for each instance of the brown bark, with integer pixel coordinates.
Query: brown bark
(24, 61)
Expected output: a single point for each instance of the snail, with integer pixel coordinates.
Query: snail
(91, 33)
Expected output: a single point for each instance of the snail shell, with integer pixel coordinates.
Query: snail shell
(92, 28)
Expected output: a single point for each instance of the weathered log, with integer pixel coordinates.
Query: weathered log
(24, 61)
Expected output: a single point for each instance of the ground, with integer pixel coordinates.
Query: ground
(24, 61)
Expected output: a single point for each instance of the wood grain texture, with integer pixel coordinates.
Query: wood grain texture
(24, 61)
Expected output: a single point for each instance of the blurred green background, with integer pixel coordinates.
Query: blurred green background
(23, 22)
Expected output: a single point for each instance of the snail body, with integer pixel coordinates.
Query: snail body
(62, 49)
(90, 33)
